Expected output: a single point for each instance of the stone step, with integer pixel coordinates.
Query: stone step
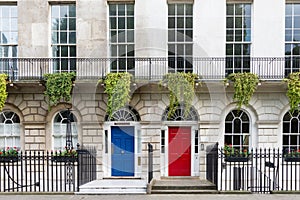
(114, 186)
(184, 192)
(183, 186)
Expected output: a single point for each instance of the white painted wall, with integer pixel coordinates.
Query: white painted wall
(209, 28)
(151, 23)
(268, 24)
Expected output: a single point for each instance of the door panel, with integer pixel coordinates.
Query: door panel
(179, 151)
(122, 155)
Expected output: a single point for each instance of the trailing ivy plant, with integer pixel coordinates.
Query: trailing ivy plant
(181, 87)
(3, 93)
(293, 90)
(117, 87)
(245, 84)
(58, 87)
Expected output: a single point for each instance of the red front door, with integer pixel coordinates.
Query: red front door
(179, 151)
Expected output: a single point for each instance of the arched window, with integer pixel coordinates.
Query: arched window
(237, 129)
(179, 115)
(124, 114)
(291, 132)
(60, 127)
(9, 129)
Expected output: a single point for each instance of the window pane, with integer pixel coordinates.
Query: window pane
(297, 22)
(189, 9)
(121, 23)
(112, 10)
(130, 36)
(288, 9)
(229, 22)
(72, 38)
(171, 9)
(130, 23)
(72, 24)
(288, 22)
(72, 11)
(171, 22)
(72, 51)
(121, 9)
(189, 22)
(130, 9)
(230, 9)
(63, 37)
(180, 9)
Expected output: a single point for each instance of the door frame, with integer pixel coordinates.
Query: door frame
(106, 143)
(194, 156)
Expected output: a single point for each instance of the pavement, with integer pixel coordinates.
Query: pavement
(154, 197)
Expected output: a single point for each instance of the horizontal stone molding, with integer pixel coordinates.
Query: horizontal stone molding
(179, 1)
(34, 125)
(120, 1)
(272, 124)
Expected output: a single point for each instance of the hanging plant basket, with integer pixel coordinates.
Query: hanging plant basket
(59, 87)
(117, 87)
(182, 90)
(245, 84)
(293, 90)
(3, 93)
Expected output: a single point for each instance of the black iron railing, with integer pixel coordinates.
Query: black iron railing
(39, 171)
(212, 163)
(150, 162)
(213, 68)
(262, 171)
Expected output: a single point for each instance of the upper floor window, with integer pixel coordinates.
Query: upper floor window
(60, 129)
(8, 37)
(292, 38)
(121, 37)
(9, 129)
(180, 37)
(291, 131)
(238, 38)
(237, 130)
(63, 40)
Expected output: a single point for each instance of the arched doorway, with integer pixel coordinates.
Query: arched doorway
(179, 143)
(122, 144)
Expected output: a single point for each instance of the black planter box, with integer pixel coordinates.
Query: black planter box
(292, 159)
(64, 158)
(236, 159)
(9, 159)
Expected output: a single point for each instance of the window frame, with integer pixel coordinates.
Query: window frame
(238, 49)
(180, 37)
(242, 135)
(63, 62)
(62, 126)
(14, 120)
(122, 37)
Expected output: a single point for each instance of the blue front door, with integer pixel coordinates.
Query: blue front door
(122, 152)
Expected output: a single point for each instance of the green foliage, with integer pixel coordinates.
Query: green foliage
(181, 87)
(9, 151)
(3, 93)
(117, 87)
(293, 91)
(245, 84)
(58, 87)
